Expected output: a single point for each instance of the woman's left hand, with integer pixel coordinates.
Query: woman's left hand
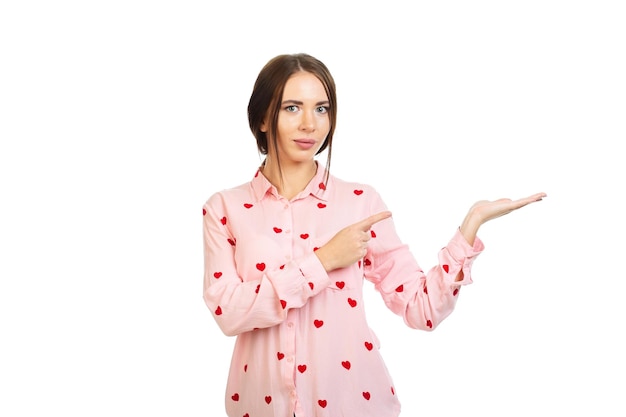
(484, 210)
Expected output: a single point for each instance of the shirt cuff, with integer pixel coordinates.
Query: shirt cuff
(314, 272)
(459, 256)
(460, 248)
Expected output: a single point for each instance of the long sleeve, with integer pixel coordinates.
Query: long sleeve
(247, 297)
(422, 299)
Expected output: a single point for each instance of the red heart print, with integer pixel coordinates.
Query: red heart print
(245, 368)
(315, 248)
(340, 284)
(301, 368)
(277, 230)
(235, 397)
(282, 267)
(280, 355)
(311, 285)
(367, 262)
(346, 364)
(358, 192)
(425, 289)
(217, 275)
(393, 392)
(257, 288)
(446, 268)
(455, 292)
(260, 266)
(369, 346)
(223, 220)
(218, 311)
(372, 233)
(322, 186)
(304, 236)
(400, 288)
(246, 415)
(283, 304)
(204, 212)
(318, 323)
(352, 302)
(429, 324)
(321, 205)
(359, 263)
(231, 241)
(268, 399)
(248, 205)
(366, 395)
(322, 403)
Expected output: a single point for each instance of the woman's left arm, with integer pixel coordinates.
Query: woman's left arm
(425, 299)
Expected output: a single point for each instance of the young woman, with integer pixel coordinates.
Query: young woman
(286, 256)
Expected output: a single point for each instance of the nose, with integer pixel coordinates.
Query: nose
(307, 123)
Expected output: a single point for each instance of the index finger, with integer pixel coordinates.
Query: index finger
(370, 221)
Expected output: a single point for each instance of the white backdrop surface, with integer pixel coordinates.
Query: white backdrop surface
(119, 119)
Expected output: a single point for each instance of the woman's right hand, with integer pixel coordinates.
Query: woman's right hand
(349, 244)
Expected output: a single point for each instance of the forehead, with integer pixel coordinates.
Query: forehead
(304, 86)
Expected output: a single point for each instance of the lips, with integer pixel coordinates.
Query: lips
(305, 143)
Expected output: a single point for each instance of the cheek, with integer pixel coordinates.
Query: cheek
(327, 128)
(285, 124)
(323, 123)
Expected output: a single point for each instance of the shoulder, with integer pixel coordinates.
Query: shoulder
(229, 196)
(361, 198)
(353, 188)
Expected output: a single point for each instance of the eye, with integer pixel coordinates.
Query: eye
(291, 108)
(322, 109)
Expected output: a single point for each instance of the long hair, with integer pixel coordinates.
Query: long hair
(265, 101)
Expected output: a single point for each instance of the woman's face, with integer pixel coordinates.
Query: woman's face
(303, 120)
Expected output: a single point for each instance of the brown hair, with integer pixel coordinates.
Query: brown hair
(267, 94)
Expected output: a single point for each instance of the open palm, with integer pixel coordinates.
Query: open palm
(486, 210)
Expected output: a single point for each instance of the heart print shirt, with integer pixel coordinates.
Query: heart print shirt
(302, 344)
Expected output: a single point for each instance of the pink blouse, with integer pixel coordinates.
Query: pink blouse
(303, 344)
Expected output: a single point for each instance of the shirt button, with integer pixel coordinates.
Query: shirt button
(290, 359)
(290, 324)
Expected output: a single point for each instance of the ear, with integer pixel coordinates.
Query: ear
(263, 127)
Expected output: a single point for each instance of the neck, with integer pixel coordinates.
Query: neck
(289, 179)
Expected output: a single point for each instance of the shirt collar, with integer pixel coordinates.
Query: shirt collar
(316, 187)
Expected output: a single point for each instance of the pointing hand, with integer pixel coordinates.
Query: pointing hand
(349, 244)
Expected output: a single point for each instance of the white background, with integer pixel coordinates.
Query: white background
(118, 120)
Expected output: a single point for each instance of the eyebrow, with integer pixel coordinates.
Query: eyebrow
(319, 103)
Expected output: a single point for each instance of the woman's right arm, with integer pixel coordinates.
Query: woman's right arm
(239, 305)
